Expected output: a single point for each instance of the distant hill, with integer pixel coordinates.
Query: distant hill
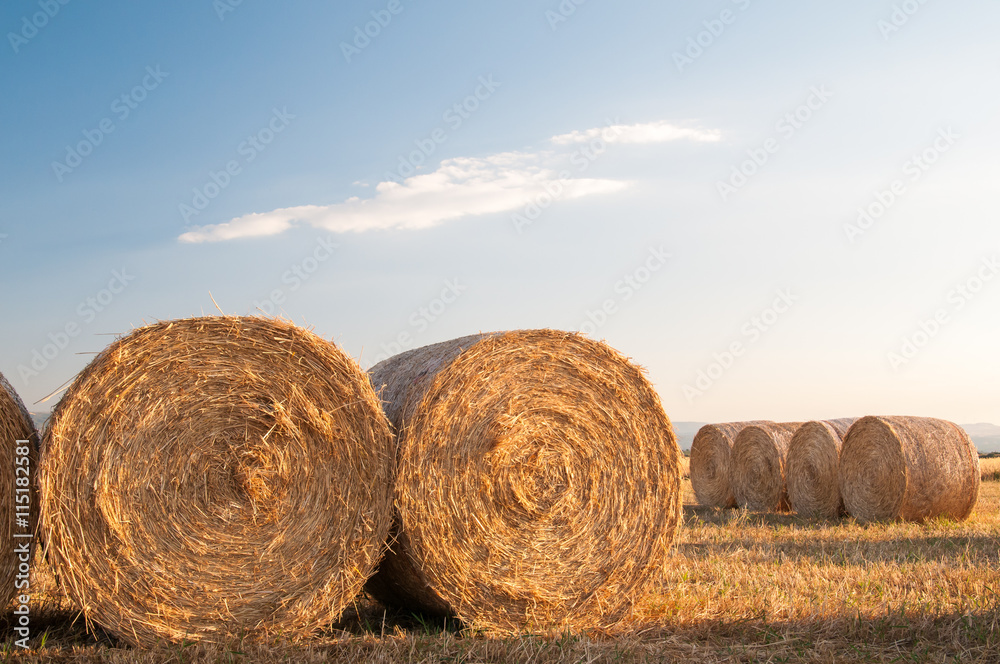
(685, 432)
(982, 429)
(985, 436)
(39, 419)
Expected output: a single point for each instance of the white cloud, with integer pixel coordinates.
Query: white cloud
(460, 187)
(651, 132)
(251, 225)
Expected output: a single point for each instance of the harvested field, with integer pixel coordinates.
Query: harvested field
(741, 587)
(990, 469)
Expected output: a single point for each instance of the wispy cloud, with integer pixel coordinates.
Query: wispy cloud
(460, 187)
(650, 132)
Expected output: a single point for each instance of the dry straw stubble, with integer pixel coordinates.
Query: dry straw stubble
(910, 468)
(216, 477)
(711, 463)
(16, 483)
(758, 465)
(813, 470)
(538, 481)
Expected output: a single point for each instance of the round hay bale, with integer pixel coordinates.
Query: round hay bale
(910, 468)
(538, 481)
(758, 465)
(216, 478)
(16, 426)
(813, 468)
(711, 454)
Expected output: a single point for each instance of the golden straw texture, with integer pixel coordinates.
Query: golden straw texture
(813, 469)
(910, 468)
(15, 425)
(538, 481)
(711, 457)
(758, 465)
(213, 478)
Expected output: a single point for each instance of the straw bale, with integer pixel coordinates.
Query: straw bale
(711, 453)
(814, 466)
(758, 465)
(538, 481)
(215, 478)
(909, 468)
(16, 425)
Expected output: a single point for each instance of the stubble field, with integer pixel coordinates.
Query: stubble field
(741, 587)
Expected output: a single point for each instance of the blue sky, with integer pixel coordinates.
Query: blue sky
(684, 182)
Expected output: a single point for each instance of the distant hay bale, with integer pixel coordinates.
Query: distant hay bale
(215, 478)
(538, 481)
(758, 465)
(813, 469)
(711, 459)
(910, 468)
(15, 425)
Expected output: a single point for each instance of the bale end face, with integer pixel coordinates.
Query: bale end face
(710, 467)
(711, 463)
(813, 469)
(758, 466)
(909, 468)
(542, 497)
(216, 477)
